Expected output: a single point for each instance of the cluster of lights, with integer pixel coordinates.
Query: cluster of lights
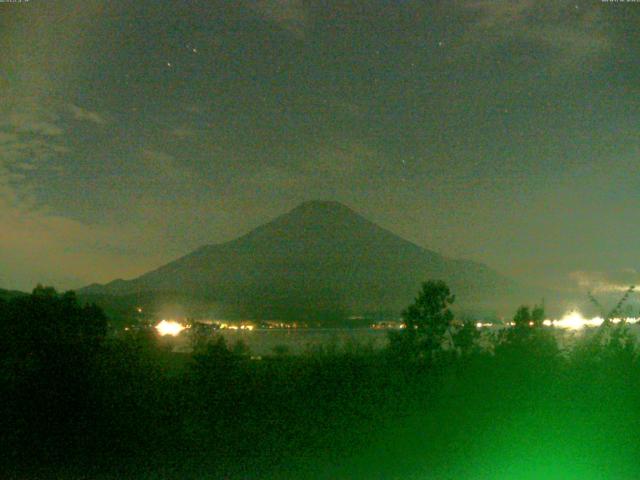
(173, 328)
(575, 321)
(483, 325)
(571, 321)
(271, 324)
(224, 326)
(170, 328)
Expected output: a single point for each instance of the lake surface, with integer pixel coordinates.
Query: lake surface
(295, 341)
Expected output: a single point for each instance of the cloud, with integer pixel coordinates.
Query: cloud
(32, 122)
(85, 115)
(165, 167)
(40, 246)
(37, 245)
(29, 138)
(602, 282)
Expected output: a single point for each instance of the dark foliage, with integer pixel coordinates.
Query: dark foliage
(79, 405)
(528, 340)
(49, 349)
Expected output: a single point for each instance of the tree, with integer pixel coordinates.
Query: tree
(537, 315)
(46, 324)
(50, 348)
(522, 318)
(464, 338)
(428, 318)
(527, 339)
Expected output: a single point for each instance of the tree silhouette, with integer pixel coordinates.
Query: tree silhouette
(528, 339)
(464, 338)
(428, 318)
(522, 318)
(50, 348)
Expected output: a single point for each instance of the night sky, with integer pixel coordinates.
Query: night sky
(507, 132)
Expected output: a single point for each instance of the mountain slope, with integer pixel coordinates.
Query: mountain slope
(320, 259)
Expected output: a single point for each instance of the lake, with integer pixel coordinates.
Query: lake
(295, 341)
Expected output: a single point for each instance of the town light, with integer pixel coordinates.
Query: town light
(169, 328)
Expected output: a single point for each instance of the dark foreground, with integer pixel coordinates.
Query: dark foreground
(78, 405)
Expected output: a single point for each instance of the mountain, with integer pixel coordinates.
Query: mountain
(321, 260)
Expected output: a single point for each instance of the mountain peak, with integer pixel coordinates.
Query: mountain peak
(312, 221)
